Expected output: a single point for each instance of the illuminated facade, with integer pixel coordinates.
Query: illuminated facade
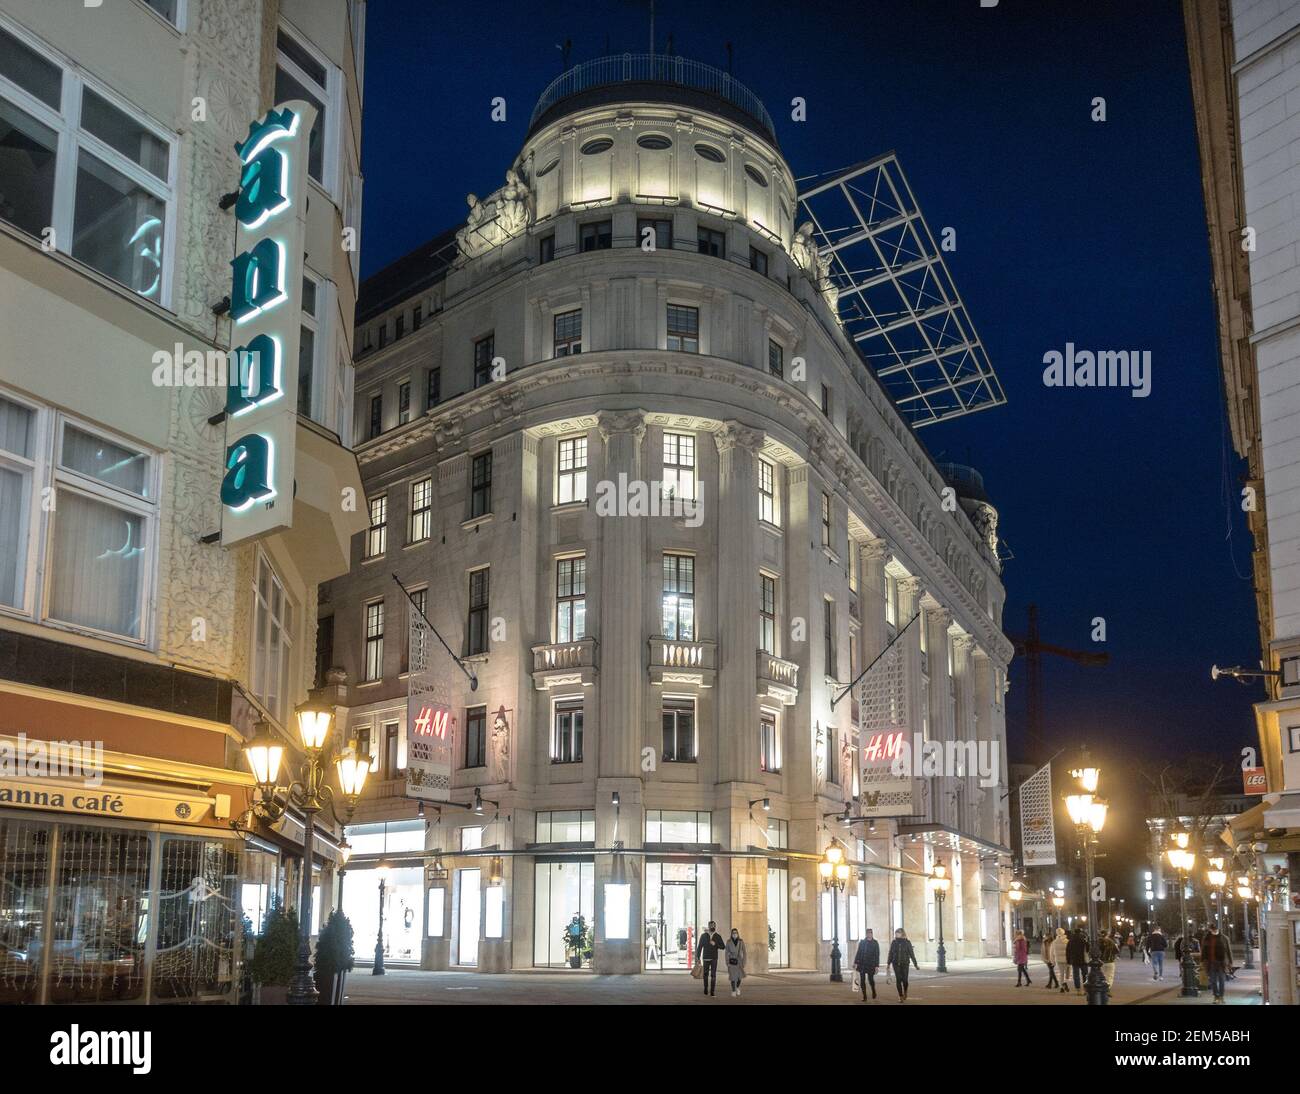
(138, 609)
(618, 444)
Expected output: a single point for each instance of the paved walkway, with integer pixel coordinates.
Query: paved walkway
(984, 981)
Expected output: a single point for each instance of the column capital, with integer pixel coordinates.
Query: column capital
(737, 435)
(913, 586)
(874, 550)
(613, 422)
(965, 643)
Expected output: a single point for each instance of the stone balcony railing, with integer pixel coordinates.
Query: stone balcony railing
(777, 678)
(681, 661)
(564, 663)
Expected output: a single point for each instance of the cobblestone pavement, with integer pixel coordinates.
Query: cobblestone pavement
(971, 982)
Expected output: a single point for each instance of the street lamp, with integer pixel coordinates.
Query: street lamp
(310, 794)
(1089, 816)
(835, 875)
(1016, 895)
(378, 969)
(1183, 860)
(940, 880)
(1247, 894)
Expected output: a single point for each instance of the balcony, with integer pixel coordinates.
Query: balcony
(777, 678)
(556, 663)
(674, 661)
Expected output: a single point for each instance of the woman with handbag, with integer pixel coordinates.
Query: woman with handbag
(735, 960)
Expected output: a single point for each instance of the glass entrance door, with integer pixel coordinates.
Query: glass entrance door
(677, 909)
(469, 916)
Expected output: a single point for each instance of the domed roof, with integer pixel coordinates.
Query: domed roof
(652, 77)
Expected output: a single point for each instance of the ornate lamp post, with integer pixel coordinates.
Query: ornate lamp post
(940, 881)
(1016, 895)
(1183, 860)
(310, 794)
(1058, 902)
(378, 969)
(835, 875)
(1089, 817)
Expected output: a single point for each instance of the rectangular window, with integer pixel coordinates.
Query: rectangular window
(769, 745)
(546, 249)
(566, 741)
(891, 600)
(679, 731)
(421, 510)
(826, 400)
(767, 614)
(832, 756)
(476, 737)
(416, 608)
(678, 826)
(571, 470)
(571, 599)
(377, 533)
(683, 328)
(568, 333)
(660, 231)
(383, 334)
(91, 169)
(679, 597)
(403, 402)
(484, 351)
(417, 317)
(271, 673)
(480, 485)
(17, 476)
(712, 243)
(376, 415)
(392, 739)
(433, 388)
(767, 492)
(828, 637)
(307, 346)
(826, 519)
(300, 75)
(399, 327)
(775, 358)
(477, 624)
(566, 826)
(102, 512)
(374, 641)
(597, 236)
(758, 261)
(679, 466)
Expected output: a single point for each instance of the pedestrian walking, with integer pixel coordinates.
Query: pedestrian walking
(735, 950)
(711, 945)
(1156, 946)
(1049, 960)
(1020, 951)
(1108, 952)
(1131, 942)
(1061, 956)
(1076, 953)
(900, 954)
(867, 961)
(1216, 955)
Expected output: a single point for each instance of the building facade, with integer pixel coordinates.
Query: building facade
(133, 618)
(618, 446)
(1245, 68)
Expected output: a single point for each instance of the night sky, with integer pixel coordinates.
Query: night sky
(1068, 230)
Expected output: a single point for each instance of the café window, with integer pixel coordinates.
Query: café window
(566, 740)
(678, 826)
(678, 716)
(571, 599)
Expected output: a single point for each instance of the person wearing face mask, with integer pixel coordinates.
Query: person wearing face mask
(735, 960)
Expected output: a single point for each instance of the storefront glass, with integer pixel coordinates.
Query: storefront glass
(468, 917)
(778, 917)
(677, 908)
(100, 914)
(403, 911)
(562, 891)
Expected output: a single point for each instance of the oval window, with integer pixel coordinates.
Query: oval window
(654, 142)
(710, 153)
(755, 174)
(594, 148)
(548, 168)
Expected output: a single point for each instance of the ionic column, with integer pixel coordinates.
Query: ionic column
(620, 631)
(964, 728)
(738, 447)
(910, 591)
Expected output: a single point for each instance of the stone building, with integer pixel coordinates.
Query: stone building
(618, 445)
(134, 613)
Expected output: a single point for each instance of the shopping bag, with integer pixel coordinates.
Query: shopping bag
(697, 970)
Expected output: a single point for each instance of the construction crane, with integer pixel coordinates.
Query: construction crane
(1031, 648)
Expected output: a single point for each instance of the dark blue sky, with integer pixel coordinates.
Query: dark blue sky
(1068, 230)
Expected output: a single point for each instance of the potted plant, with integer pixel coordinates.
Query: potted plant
(276, 954)
(577, 942)
(334, 958)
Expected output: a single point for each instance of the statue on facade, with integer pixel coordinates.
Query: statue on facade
(500, 216)
(803, 249)
(501, 745)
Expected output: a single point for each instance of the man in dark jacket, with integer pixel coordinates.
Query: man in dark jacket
(1216, 954)
(1076, 956)
(900, 954)
(867, 961)
(711, 945)
(1156, 946)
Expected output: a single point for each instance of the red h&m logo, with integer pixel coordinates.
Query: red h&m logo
(884, 746)
(433, 723)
